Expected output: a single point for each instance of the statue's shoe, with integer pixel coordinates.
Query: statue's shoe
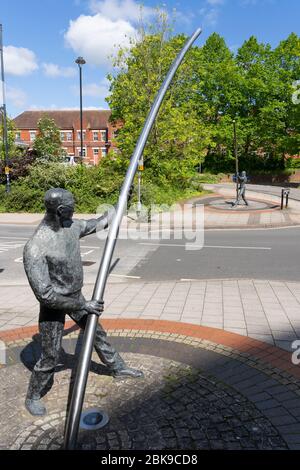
(35, 407)
(128, 372)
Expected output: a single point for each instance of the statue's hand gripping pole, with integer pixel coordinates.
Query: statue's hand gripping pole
(76, 403)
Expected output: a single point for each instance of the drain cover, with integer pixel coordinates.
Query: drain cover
(93, 418)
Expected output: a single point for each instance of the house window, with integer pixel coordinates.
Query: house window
(83, 152)
(103, 135)
(79, 135)
(32, 135)
(62, 136)
(18, 135)
(103, 151)
(69, 136)
(95, 135)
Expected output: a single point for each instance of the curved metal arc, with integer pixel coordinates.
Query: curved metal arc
(89, 334)
(112, 235)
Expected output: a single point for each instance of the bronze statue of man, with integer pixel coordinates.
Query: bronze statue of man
(242, 180)
(53, 266)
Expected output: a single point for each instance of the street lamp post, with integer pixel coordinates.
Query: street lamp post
(236, 158)
(80, 62)
(4, 117)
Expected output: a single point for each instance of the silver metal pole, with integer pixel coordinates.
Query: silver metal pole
(74, 414)
(5, 137)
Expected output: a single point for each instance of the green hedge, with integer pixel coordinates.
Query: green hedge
(92, 186)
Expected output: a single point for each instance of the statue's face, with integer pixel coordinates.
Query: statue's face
(66, 210)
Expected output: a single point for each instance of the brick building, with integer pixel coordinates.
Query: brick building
(98, 132)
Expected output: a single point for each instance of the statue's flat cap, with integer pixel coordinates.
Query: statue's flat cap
(55, 197)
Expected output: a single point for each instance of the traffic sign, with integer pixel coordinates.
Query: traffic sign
(141, 164)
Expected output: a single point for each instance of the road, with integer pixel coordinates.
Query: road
(261, 254)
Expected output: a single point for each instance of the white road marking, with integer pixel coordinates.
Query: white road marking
(14, 238)
(239, 247)
(210, 246)
(87, 253)
(10, 246)
(19, 260)
(124, 275)
(88, 246)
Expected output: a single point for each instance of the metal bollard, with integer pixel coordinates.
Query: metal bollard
(287, 192)
(284, 193)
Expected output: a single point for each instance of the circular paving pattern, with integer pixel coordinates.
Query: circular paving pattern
(178, 405)
(222, 204)
(175, 407)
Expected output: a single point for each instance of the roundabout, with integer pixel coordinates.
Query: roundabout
(226, 204)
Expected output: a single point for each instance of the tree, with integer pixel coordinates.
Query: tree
(18, 159)
(47, 143)
(254, 88)
(13, 150)
(178, 141)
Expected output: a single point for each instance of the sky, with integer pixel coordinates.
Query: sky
(42, 39)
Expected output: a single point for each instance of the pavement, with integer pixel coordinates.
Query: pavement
(268, 311)
(216, 353)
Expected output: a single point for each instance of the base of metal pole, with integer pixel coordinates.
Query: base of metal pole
(93, 418)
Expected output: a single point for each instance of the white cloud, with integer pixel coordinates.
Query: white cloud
(211, 17)
(19, 60)
(96, 37)
(54, 70)
(96, 90)
(16, 97)
(120, 9)
(210, 12)
(215, 2)
(93, 89)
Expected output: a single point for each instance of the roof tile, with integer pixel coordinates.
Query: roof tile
(64, 119)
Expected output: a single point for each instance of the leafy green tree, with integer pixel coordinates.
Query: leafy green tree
(178, 140)
(254, 88)
(47, 143)
(17, 157)
(13, 150)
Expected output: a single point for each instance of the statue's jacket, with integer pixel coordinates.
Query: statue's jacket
(53, 265)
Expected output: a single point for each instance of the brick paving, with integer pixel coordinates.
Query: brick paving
(203, 389)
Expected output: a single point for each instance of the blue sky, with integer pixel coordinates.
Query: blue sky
(42, 38)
